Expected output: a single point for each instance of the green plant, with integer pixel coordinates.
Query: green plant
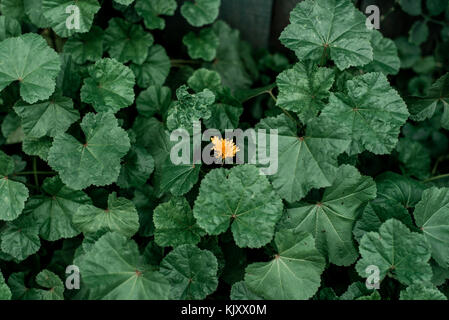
(86, 179)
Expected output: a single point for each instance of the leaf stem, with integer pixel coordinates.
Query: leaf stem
(180, 62)
(446, 175)
(34, 172)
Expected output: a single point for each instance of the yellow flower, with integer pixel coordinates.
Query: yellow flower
(224, 148)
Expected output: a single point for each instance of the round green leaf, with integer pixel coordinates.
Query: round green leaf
(51, 281)
(5, 292)
(87, 46)
(126, 41)
(29, 60)
(34, 11)
(151, 10)
(9, 27)
(422, 291)
(192, 272)
(293, 274)
(202, 46)
(154, 70)
(240, 196)
(200, 12)
(137, 168)
(97, 160)
(110, 86)
(175, 224)
(154, 100)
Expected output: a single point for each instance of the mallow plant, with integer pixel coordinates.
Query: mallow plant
(95, 97)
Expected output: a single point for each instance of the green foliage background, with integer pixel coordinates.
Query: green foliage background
(86, 178)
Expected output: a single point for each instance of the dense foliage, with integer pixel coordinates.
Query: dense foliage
(362, 187)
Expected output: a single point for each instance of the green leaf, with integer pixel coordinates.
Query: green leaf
(127, 41)
(432, 217)
(200, 12)
(412, 7)
(331, 220)
(436, 7)
(50, 281)
(192, 272)
(228, 62)
(419, 33)
(9, 27)
(175, 224)
(202, 46)
(137, 168)
(53, 211)
(205, 79)
(224, 116)
(124, 2)
(422, 291)
(97, 160)
(110, 86)
(240, 291)
(5, 292)
(154, 100)
(415, 158)
(38, 64)
(241, 197)
(151, 10)
(422, 108)
(303, 89)
(189, 108)
(293, 274)
(302, 164)
(120, 216)
(154, 70)
(356, 291)
(12, 128)
(13, 194)
(35, 12)
(55, 12)
(401, 189)
(113, 269)
(177, 179)
(87, 46)
(371, 113)
(377, 212)
(329, 28)
(385, 55)
(37, 146)
(12, 9)
(397, 252)
(50, 117)
(409, 53)
(20, 238)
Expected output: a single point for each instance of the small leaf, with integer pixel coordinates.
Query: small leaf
(50, 281)
(401, 189)
(202, 46)
(137, 168)
(86, 46)
(155, 68)
(5, 292)
(422, 291)
(385, 55)
(9, 28)
(419, 33)
(154, 100)
(151, 10)
(200, 12)
(20, 238)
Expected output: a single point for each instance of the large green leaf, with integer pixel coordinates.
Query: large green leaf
(202, 46)
(241, 197)
(155, 68)
(50, 117)
(151, 10)
(12, 193)
(113, 269)
(154, 100)
(120, 216)
(35, 12)
(30, 61)
(175, 224)
(136, 169)
(95, 161)
(397, 252)
(414, 158)
(432, 216)
(126, 41)
(86, 46)
(200, 12)
(331, 220)
(371, 113)
(55, 12)
(53, 211)
(422, 108)
(293, 274)
(304, 162)
(240, 291)
(192, 272)
(333, 28)
(13, 9)
(304, 88)
(110, 86)
(20, 238)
